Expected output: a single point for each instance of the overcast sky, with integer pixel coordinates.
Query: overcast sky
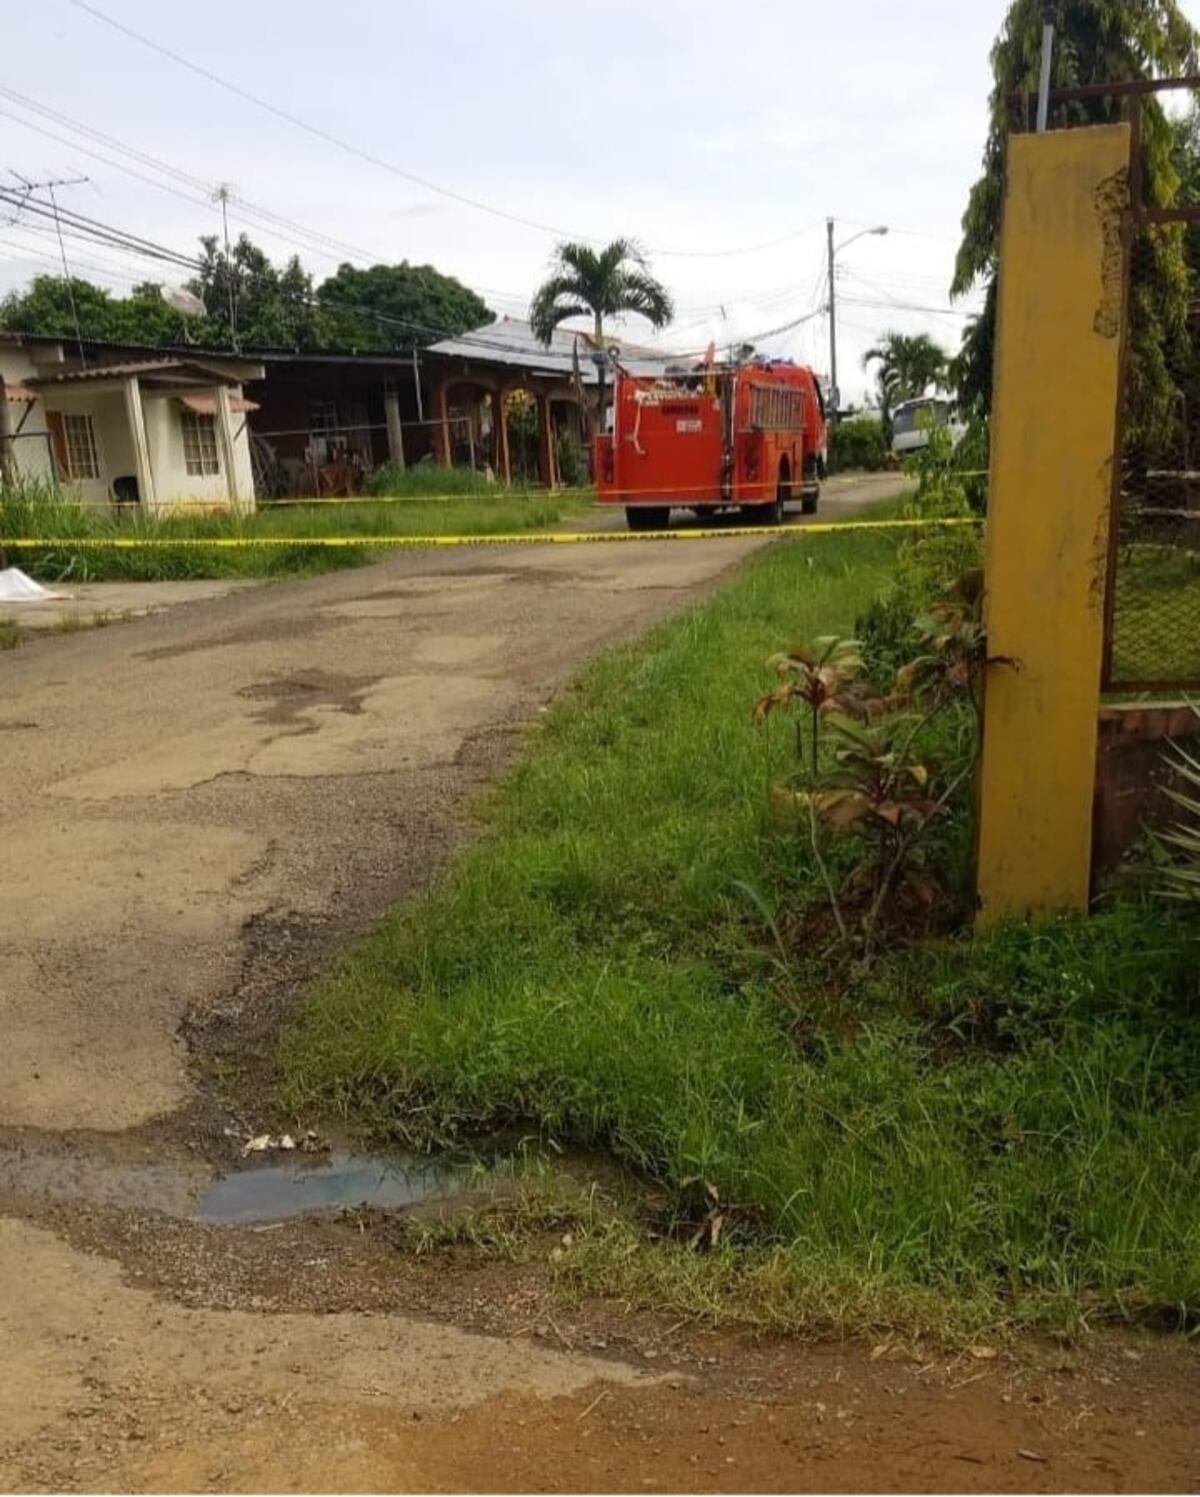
(695, 126)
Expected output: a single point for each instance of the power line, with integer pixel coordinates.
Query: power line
(317, 131)
(26, 252)
(320, 133)
(93, 230)
(903, 306)
(744, 249)
(29, 188)
(78, 225)
(240, 207)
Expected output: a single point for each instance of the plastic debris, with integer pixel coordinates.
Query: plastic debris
(17, 587)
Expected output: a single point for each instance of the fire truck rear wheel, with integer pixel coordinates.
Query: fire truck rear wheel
(647, 517)
(809, 500)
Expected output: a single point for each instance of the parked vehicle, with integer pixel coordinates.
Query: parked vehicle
(748, 436)
(912, 419)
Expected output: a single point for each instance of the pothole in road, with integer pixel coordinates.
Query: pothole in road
(259, 1191)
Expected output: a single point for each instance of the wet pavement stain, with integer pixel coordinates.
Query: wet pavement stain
(287, 698)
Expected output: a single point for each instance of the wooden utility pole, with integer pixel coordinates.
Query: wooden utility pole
(833, 378)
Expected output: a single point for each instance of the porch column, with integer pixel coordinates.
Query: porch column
(225, 439)
(7, 465)
(141, 447)
(503, 455)
(545, 441)
(441, 432)
(395, 431)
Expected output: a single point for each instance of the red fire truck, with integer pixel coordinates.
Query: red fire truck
(747, 436)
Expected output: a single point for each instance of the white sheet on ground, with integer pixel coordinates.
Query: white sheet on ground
(16, 587)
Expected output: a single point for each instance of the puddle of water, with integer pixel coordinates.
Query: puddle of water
(273, 1192)
(259, 1191)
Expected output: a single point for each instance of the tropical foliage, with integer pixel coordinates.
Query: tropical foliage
(607, 283)
(382, 307)
(397, 306)
(857, 442)
(1095, 43)
(1181, 841)
(598, 284)
(907, 366)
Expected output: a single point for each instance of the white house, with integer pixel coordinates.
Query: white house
(163, 428)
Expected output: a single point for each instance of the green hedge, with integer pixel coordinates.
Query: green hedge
(858, 444)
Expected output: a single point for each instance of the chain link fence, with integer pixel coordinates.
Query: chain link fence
(1152, 600)
(1152, 637)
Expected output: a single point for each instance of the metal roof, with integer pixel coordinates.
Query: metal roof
(510, 341)
(195, 369)
(111, 371)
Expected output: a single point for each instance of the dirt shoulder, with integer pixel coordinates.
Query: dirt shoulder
(418, 1377)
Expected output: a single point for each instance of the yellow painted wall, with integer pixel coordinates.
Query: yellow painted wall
(1054, 408)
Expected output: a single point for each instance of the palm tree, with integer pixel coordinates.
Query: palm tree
(908, 366)
(598, 284)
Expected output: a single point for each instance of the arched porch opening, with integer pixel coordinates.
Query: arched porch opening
(524, 414)
(471, 437)
(571, 441)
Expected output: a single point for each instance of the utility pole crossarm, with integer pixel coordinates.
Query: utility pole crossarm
(28, 189)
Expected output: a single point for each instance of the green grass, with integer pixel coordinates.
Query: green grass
(1005, 1130)
(36, 512)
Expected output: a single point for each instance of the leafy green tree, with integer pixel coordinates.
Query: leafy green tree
(256, 304)
(907, 366)
(268, 308)
(397, 306)
(45, 306)
(608, 283)
(1096, 41)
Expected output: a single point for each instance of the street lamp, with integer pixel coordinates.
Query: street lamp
(834, 251)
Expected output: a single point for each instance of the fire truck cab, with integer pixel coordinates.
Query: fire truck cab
(748, 436)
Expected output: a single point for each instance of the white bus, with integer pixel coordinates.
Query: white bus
(912, 419)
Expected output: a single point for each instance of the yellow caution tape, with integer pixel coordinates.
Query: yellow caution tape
(514, 538)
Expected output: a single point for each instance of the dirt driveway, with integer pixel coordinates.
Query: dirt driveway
(201, 807)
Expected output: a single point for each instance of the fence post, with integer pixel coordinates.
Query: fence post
(1059, 333)
(7, 465)
(395, 431)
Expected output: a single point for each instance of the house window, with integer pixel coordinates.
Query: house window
(322, 416)
(200, 444)
(79, 443)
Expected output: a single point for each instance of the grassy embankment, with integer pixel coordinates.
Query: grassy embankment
(423, 501)
(1003, 1131)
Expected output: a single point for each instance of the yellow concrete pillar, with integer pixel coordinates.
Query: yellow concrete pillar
(1059, 333)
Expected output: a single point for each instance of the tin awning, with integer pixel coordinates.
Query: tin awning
(206, 405)
(20, 392)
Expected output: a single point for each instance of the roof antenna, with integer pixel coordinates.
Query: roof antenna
(30, 189)
(221, 194)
